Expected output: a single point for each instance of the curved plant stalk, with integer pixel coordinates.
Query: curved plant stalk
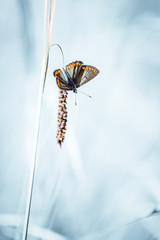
(49, 16)
(56, 44)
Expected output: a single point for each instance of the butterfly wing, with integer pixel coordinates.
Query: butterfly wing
(86, 73)
(60, 79)
(76, 74)
(73, 69)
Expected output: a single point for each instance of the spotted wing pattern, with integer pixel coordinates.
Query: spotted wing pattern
(86, 73)
(75, 75)
(73, 69)
(60, 79)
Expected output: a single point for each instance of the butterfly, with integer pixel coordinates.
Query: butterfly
(74, 75)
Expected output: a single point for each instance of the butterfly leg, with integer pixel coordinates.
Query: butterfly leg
(75, 90)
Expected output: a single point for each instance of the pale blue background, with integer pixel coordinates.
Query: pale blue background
(107, 173)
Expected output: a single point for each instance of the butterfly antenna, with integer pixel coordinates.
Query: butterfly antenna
(75, 98)
(56, 44)
(85, 94)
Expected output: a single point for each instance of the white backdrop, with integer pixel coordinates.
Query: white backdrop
(106, 174)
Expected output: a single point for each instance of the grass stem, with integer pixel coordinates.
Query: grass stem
(47, 31)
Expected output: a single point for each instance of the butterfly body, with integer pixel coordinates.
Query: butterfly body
(69, 81)
(74, 75)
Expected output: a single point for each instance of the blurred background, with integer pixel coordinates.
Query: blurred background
(104, 182)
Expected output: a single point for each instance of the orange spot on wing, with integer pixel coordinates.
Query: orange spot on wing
(86, 68)
(83, 68)
(55, 73)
